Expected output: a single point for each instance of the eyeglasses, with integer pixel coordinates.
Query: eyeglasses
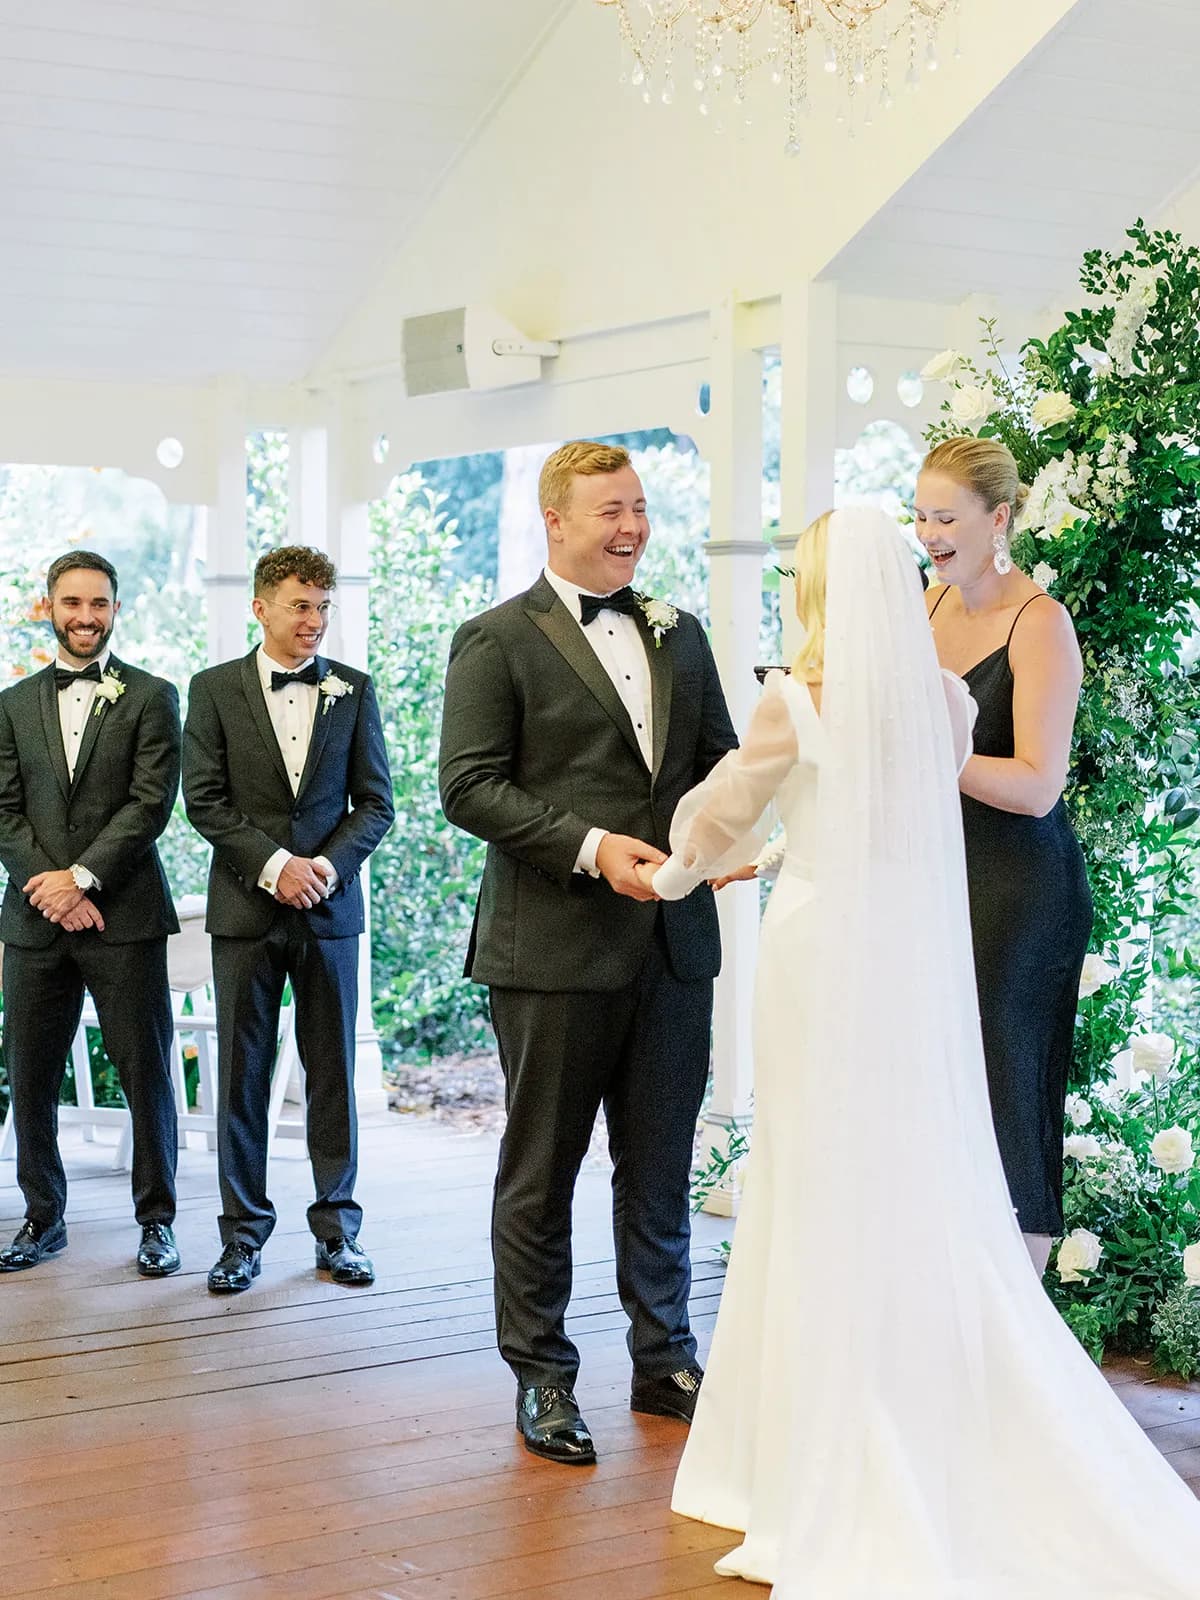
(305, 608)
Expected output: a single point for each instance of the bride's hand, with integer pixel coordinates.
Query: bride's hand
(644, 873)
(742, 875)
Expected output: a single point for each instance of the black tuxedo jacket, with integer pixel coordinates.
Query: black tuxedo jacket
(238, 796)
(106, 818)
(537, 748)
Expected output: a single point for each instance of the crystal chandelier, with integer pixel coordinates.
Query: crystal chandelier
(717, 45)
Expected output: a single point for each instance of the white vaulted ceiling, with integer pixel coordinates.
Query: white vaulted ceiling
(190, 188)
(1100, 124)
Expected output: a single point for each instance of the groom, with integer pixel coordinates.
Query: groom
(576, 715)
(286, 775)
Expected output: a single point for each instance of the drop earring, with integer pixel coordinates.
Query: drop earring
(1001, 559)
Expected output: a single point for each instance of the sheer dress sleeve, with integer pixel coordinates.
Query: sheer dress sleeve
(963, 711)
(723, 822)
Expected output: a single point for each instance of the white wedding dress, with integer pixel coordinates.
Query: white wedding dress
(892, 1409)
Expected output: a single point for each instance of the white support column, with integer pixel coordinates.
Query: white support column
(326, 511)
(226, 582)
(808, 424)
(736, 550)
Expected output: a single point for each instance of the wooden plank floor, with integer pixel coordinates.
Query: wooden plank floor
(305, 1441)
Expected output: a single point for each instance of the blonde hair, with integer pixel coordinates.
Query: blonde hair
(811, 568)
(985, 467)
(584, 456)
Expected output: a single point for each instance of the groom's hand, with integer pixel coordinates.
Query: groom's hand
(617, 860)
(301, 883)
(54, 894)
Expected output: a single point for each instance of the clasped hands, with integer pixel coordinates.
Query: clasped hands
(628, 865)
(60, 900)
(301, 883)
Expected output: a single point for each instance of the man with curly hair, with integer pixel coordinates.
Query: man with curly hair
(286, 775)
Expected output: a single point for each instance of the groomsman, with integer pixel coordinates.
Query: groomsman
(89, 770)
(576, 716)
(285, 774)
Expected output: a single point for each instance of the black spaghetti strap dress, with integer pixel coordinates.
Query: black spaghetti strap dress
(1031, 919)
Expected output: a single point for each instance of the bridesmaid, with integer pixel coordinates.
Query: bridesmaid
(1031, 909)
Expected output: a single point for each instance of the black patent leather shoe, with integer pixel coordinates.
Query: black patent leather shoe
(673, 1395)
(345, 1261)
(548, 1419)
(157, 1255)
(237, 1268)
(31, 1244)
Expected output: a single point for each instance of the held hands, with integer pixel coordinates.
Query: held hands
(60, 901)
(742, 875)
(627, 865)
(301, 884)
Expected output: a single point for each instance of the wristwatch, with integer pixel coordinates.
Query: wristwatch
(82, 878)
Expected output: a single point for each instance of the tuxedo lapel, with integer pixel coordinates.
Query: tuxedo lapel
(96, 718)
(326, 708)
(548, 612)
(662, 675)
(253, 690)
(52, 727)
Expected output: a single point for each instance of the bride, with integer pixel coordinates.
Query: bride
(893, 1410)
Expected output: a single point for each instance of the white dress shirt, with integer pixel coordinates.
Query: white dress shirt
(292, 712)
(74, 708)
(621, 651)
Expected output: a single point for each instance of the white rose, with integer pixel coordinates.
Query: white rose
(943, 366)
(1096, 973)
(1082, 1147)
(1078, 1254)
(1078, 1111)
(1051, 409)
(1171, 1150)
(1153, 1053)
(1045, 574)
(1191, 1265)
(970, 404)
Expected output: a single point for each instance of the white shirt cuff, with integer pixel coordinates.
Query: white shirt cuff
(268, 878)
(330, 871)
(585, 861)
(673, 880)
(89, 879)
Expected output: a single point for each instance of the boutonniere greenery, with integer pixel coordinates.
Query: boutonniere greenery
(659, 614)
(333, 688)
(109, 688)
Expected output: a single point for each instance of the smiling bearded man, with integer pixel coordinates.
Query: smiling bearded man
(576, 715)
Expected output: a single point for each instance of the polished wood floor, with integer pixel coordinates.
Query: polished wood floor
(304, 1441)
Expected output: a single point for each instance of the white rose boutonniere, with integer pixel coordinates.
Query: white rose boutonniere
(333, 688)
(942, 366)
(660, 615)
(1051, 409)
(1191, 1265)
(109, 689)
(1171, 1150)
(1078, 1255)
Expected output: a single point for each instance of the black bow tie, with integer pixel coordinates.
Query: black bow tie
(591, 605)
(64, 677)
(308, 674)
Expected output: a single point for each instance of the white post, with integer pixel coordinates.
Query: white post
(323, 512)
(736, 550)
(226, 534)
(808, 424)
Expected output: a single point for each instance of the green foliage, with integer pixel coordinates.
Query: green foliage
(1176, 1331)
(1103, 418)
(425, 874)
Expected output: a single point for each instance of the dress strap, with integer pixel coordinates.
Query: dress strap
(1017, 618)
(937, 602)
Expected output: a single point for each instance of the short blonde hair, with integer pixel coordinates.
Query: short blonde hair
(812, 566)
(586, 457)
(985, 467)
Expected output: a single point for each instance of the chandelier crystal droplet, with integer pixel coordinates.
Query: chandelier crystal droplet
(718, 45)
